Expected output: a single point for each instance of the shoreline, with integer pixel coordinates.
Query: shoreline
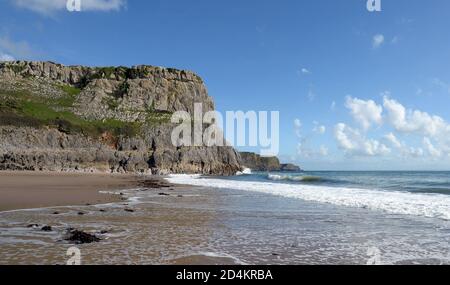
(165, 222)
(33, 190)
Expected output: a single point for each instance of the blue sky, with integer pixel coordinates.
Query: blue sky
(355, 90)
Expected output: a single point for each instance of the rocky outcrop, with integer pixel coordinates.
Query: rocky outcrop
(259, 163)
(114, 119)
(289, 167)
(80, 237)
(48, 149)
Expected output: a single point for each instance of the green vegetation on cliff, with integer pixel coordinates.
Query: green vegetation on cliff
(21, 108)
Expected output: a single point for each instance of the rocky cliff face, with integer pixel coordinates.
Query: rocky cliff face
(121, 93)
(258, 163)
(289, 167)
(117, 119)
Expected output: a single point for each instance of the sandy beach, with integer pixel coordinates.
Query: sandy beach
(25, 190)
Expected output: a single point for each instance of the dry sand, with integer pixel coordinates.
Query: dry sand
(25, 190)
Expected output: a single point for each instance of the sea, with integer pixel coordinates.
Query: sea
(424, 194)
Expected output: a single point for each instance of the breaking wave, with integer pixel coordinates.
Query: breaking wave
(418, 204)
(295, 178)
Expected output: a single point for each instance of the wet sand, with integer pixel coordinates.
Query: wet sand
(130, 232)
(203, 260)
(25, 190)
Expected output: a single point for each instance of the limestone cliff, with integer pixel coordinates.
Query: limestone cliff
(258, 163)
(117, 119)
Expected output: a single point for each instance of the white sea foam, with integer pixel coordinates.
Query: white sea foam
(246, 171)
(297, 178)
(426, 205)
(223, 255)
(276, 177)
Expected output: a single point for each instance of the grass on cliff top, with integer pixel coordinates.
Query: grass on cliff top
(24, 109)
(68, 99)
(70, 90)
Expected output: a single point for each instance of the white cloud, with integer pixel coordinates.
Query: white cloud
(343, 138)
(414, 152)
(323, 151)
(51, 6)
(103, 5)
(13, 49)
(301, 151)
(402, 148)
(304, 151)
(41, 6)
(303, 148)
(434, 130)
(353, 143)
(385, 93)
(333, 106)
(432, 150)
(421, 92)
(392, 139)
(431, 130)
(311, 95)
(364, 112)
(414, 121)
(406, 21)
(305, 71)
(441, 84)
(377, 40)
(297, 127)
(6, 57)
(319, 129)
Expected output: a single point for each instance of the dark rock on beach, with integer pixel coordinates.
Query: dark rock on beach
(154, 184)
(79, 237)
(46, 229)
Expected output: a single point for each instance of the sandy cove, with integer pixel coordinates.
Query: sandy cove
(26, 190)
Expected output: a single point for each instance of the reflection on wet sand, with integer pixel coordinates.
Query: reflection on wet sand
(144, 231)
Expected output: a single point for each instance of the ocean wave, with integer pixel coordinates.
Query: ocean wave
(418, 204)
(246, 171)
(297, 178)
